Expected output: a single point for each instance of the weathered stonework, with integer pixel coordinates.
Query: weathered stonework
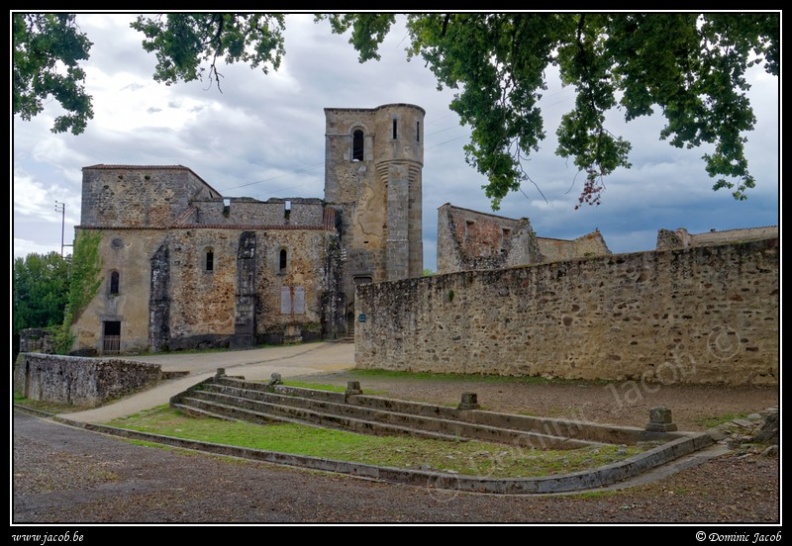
(78, 381)
(470, 240)
(667, 239)
(706, 315)
(185, 267)
(585, 246)
(374, 161)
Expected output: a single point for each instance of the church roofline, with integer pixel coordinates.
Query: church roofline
(105, 167)
(449, 205)
(380, 107)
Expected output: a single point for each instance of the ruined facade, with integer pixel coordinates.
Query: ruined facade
(470, 240)
(680, 238)
(185, 267)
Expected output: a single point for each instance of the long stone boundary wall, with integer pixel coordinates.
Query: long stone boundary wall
(704, 315)
(79, 381)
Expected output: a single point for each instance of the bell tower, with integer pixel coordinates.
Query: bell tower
(373, 177)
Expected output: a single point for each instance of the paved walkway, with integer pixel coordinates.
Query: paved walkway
(253, 364)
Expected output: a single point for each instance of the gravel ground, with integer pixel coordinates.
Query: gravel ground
(67, 475)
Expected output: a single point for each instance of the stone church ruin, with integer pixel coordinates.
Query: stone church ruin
(185, 267)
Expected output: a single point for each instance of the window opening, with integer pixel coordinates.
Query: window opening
(469, 227)
(284, 256)
(418, 131)
(114, 278)
(395, 133)
(209, 259)
(357, 145)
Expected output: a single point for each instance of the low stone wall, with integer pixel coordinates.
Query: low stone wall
(703, 315)
(79, 381)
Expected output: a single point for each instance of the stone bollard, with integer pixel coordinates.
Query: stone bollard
(660, 420)
(220, 372)
(469, 401)
(275, 379)
(353, 388)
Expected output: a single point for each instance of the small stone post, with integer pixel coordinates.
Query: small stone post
(469, 401)
(660, 420)
(353, 388)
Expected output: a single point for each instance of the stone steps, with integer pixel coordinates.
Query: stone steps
(234, 398)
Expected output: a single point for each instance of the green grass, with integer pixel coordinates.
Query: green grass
(467, 458)
(429, 376)
(715, 420)
(314, 386)
(47, 407)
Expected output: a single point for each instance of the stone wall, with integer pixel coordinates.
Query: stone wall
(84, 382)
(470, 240)
(705, 315)
(274, 212)
(36, 340)
(139, 196)
(681, 238)
(591, 244)
(167, 299)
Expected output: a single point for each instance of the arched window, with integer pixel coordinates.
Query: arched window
(357, 145)
(208, 259)
(283, 261)
(114, 282)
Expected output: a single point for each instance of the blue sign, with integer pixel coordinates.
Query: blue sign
(361, 317)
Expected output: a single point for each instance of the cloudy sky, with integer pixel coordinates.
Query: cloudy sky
(263, 136)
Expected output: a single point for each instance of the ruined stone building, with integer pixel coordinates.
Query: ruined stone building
(185, 267)
(469, 240)
(680, 238)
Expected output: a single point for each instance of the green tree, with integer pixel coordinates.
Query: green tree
(689, 66)
(41, 283)
(183, 42)
(46, 55)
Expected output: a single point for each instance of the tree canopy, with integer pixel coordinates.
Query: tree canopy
(41, 286)
(690, 67)
(46, 56)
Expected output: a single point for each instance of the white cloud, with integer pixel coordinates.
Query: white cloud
(263, 136)
(30, 197)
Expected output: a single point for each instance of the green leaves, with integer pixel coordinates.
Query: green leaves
(689, 66)
(85, 274)
(47, 49)
(41, 282)
(188, 45)
(368, 30)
